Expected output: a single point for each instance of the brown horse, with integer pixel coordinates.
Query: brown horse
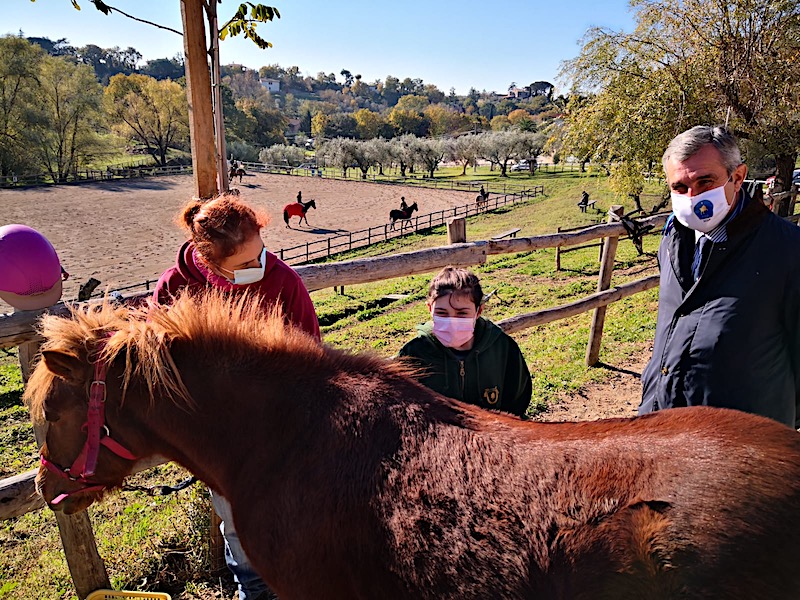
(348, 479)
(298, 209)
(482, 201)
(236, 172)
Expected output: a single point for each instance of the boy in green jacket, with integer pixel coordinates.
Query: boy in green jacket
(465, 356)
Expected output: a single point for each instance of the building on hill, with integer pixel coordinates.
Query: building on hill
(271, 85)
(518, 93)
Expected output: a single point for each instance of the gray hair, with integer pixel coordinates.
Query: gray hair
(687, 144)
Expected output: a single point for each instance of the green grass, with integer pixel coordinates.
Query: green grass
(161, 543)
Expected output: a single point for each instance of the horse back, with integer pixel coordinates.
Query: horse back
(664, 506)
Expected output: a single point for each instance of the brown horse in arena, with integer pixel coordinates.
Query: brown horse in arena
(236, 172)
(348, 479)
(482, 201)
(298, 209)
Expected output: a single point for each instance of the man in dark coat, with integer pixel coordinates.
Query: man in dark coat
(728, 329)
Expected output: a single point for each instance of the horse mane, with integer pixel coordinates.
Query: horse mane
(235, 330)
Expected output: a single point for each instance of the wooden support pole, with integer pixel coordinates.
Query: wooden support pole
(198, 93)
(603, 283)
(87, 569)
(456, 230)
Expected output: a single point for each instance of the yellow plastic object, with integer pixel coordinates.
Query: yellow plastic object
(112, 594)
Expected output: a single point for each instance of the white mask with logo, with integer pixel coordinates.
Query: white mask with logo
(454, 332)
(702, 212)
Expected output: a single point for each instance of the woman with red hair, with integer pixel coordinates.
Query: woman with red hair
(225, 251)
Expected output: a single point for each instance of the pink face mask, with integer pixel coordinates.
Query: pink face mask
(453, 332)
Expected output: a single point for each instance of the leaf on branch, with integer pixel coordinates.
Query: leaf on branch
(241, 23)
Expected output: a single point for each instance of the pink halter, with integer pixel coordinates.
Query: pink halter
(83, 468)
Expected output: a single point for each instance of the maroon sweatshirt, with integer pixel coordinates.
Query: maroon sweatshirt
(280, 285)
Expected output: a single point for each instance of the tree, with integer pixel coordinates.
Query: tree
(694, 62)
(499, 148)
(68, 115)
(265, 123)
(20, 63)
(282, 154)
(500, 123)
(529, 146)
(408, 122)
(368, 124)
(430, 153)
(152, 112)
(318, 124)
(341, 125)
(164, 68)
(444, 119)
(391, 90)
(339, 152)
(404, 150)
(541, 88)
(381, 152)
(465, 150)
(521, 119)
(413, 103)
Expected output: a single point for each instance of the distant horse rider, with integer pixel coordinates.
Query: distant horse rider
(483, 193)
(403, 205)
(299, 197)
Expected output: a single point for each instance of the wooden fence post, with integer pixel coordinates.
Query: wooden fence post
(456, 230)
(87, 569)
(603, 283)
(558, 252)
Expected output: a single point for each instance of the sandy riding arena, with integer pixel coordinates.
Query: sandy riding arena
(123, 233)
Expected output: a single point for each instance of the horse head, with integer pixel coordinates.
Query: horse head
(311, 204)
(77, 391)
(69, 392)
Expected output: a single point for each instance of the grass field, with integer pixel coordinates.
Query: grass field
(160, 543)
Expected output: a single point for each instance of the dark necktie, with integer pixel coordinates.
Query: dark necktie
(701, 251)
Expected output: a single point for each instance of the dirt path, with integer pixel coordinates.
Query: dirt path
(617, 396)
(122, 233)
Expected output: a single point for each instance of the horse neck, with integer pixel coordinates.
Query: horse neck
(234, 413)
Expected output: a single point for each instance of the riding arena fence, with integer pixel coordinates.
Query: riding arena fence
(18, 495)
(90, 175)
(351, 240)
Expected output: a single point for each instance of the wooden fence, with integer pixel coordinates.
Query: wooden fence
(336, 244)
(18, 495)
(89, 175)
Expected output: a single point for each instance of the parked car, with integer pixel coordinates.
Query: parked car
(521, 166)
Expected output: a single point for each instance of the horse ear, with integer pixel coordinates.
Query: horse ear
(64, 366)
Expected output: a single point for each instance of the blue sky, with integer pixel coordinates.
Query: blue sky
(461, 44)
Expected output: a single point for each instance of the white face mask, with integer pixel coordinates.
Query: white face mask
(702, 212)
(454, 332)
(252, 274)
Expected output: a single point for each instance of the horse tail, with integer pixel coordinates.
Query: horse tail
(285, 216)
